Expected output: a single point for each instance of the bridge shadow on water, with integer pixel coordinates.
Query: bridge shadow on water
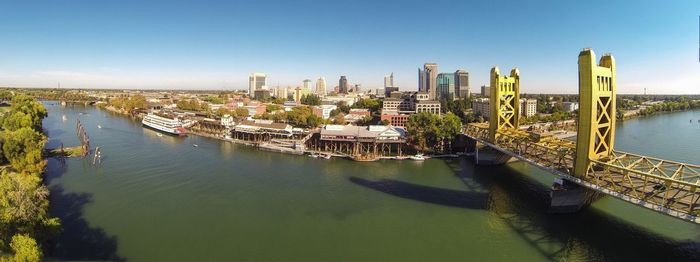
(521, 203)
(428, 194)
(591, 234)
(78, 240)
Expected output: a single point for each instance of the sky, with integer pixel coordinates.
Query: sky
(217, 44)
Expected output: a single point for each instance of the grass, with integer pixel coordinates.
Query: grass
(67, 151)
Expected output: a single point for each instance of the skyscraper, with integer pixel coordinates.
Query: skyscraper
(343, 85)
(427, 79)
(445, 86)
(256, 81)
(389, 80)
(462, 84)
(321, 86)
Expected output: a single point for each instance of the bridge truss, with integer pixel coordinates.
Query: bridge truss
(666, 186)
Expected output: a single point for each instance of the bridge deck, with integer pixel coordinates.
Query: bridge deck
(665, 186)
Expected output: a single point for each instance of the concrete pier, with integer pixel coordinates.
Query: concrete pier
(568, 197)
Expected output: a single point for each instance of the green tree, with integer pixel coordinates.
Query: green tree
(422, 130)
(25, 249)
(23, 149)
(311, 99)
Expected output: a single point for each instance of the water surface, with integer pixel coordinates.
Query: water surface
(161, 199)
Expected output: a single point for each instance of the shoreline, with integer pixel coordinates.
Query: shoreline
(272, 148)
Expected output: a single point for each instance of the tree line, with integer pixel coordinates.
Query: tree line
(24, 219)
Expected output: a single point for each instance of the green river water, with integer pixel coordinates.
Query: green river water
(161, 199)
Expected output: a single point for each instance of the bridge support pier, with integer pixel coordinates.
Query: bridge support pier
(569, 197)
(486, 156)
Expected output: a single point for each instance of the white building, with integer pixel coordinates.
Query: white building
(321, 86)
(481, 106)
(324, 111)
(570, 106)
(256, 81)
(528, 107)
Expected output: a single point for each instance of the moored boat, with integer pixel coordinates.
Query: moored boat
(417, 157)
(164, 123)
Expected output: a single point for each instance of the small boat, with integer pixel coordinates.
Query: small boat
(194, 145)
(327, 156)
(313, 156)
(417, 157)
(159, 134)
(99, 126)
(64, 118)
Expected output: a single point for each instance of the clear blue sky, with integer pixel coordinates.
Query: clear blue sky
(217, 44)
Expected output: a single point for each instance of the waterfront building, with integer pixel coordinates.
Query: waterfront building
(528, 107)
(261, 130)
(227, 121)
(256, 81)
(343, 85)
(389, 80)
(360, 142)
(462, 84)
(427, 79)
(485, 91)
(482, 107)
(570, 106)
(446, 86)
(321, 86)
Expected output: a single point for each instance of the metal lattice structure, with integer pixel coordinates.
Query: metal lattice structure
(665, 186)
(505, 100)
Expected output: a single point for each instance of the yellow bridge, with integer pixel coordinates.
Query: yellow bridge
(592, 162)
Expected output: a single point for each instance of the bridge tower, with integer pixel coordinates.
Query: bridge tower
(504, 101)
(596, 120)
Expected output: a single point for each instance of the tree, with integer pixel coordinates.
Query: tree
(23, 200)
(422, 130)
(16, 120)
(450, 127)
(372, 104)
(25, 249)
(23, 149)
(311, 99)
(240, 113)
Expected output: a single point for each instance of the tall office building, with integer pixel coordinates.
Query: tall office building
(321, 86)
(485, 91)
(256, 81)
(307, 84)
(343, 85)
(445, 86)
(389, 80)
(427, 79)
(462, 84)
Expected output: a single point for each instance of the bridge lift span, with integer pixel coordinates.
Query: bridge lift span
(591, 162)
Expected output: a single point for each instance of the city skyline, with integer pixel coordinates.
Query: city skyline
(210, 46)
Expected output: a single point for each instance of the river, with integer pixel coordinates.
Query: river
(159, 198)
